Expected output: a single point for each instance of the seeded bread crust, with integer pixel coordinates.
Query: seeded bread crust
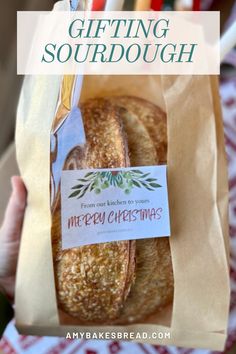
(93, 281)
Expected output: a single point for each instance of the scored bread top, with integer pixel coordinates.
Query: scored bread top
(93, 281)
(153, 285)
(106, 140)
(152, 117)
(142, 150)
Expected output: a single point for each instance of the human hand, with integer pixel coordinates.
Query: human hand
(10, 233)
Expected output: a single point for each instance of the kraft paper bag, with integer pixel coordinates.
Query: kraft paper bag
(198, 197)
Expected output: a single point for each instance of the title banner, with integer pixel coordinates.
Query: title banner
(115, 43)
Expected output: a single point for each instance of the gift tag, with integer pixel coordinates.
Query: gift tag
(105, 205)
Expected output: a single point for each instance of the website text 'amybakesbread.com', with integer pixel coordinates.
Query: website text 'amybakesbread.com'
(118, 335)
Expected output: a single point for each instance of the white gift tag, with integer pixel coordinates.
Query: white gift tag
(105, 205)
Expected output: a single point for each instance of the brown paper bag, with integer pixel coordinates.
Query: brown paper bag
(197, 187)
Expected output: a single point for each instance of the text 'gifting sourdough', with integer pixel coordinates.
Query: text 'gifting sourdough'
(125, 281)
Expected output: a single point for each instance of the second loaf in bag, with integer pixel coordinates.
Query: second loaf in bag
(125, 281)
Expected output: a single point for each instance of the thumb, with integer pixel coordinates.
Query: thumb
(14, 215)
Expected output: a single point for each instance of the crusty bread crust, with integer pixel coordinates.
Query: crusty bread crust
(142, 150)
(106, 140)
(93, 281)
(153, 118)
(153, 285)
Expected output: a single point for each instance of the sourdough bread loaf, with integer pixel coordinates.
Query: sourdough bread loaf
(125, 281)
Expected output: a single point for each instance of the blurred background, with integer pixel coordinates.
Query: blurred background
(10, 85)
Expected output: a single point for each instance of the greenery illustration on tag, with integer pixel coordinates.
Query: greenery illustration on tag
(126, 180)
